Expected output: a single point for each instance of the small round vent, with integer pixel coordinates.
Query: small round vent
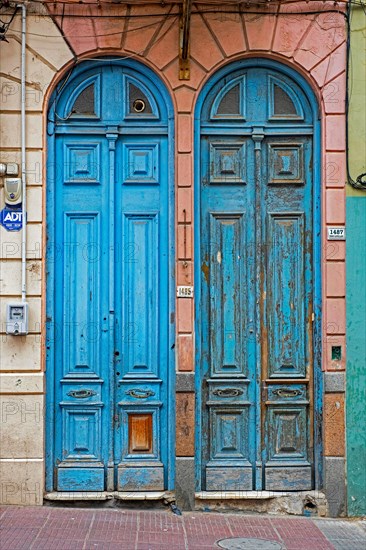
(139, 105)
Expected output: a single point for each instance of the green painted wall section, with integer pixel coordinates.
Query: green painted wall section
(356, 355)
(357, 97)
(356, 272)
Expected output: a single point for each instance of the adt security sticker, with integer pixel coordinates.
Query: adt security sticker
(11, 219)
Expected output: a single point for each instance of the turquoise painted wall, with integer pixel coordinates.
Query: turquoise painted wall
(356, 271)
(356, 355)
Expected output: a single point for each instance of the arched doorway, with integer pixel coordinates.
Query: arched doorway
(110, 294)
(257, 280)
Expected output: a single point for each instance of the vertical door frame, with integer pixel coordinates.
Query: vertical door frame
(146, 74)
(261, 62)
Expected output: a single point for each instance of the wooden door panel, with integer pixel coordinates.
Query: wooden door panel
(81, 300)
(228, 294)
(140, 294)
(140, 433)
(286, 323)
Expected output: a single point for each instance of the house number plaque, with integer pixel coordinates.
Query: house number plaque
(336, 233)
(184, 291)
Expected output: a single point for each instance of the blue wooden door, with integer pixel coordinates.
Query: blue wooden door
(109, 285)
(255, 314)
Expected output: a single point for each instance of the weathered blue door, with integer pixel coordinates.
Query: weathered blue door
(109, 284)
(255, 314)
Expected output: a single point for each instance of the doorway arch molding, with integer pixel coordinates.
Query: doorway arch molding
(164, 124)
(234, 67)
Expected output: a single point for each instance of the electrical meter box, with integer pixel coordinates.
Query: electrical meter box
(17, 318)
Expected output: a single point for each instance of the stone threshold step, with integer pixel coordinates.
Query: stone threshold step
(239, 495)
(108, 495)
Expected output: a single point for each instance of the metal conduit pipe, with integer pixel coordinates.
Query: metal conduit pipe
(23, 160)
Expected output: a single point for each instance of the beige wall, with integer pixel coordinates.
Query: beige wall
(21, 377)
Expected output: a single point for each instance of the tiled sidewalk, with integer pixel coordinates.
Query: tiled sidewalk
(45, 528)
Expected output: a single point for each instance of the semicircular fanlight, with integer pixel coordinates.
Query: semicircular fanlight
(284, 103)
(84, 100)
(230, 101)
(139, 101)
(84, 103)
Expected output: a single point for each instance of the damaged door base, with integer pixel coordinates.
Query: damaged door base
(300, 503)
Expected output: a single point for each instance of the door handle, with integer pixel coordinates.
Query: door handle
(140, 394)
(81, 394)
(286, 392)
(228, 392)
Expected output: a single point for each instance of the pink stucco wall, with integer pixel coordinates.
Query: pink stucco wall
(313, 44)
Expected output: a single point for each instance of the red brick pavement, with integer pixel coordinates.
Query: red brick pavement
(54, 528)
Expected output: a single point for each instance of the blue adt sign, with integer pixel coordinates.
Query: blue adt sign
(11, 219)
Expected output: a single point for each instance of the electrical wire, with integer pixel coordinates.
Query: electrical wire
(101, 3)
(358, 184)
(163, 3)
(58, 91)
(175, 15)
(122, 31)
(6, 24)
(239, 3)
(244, 6)
(97, 16)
